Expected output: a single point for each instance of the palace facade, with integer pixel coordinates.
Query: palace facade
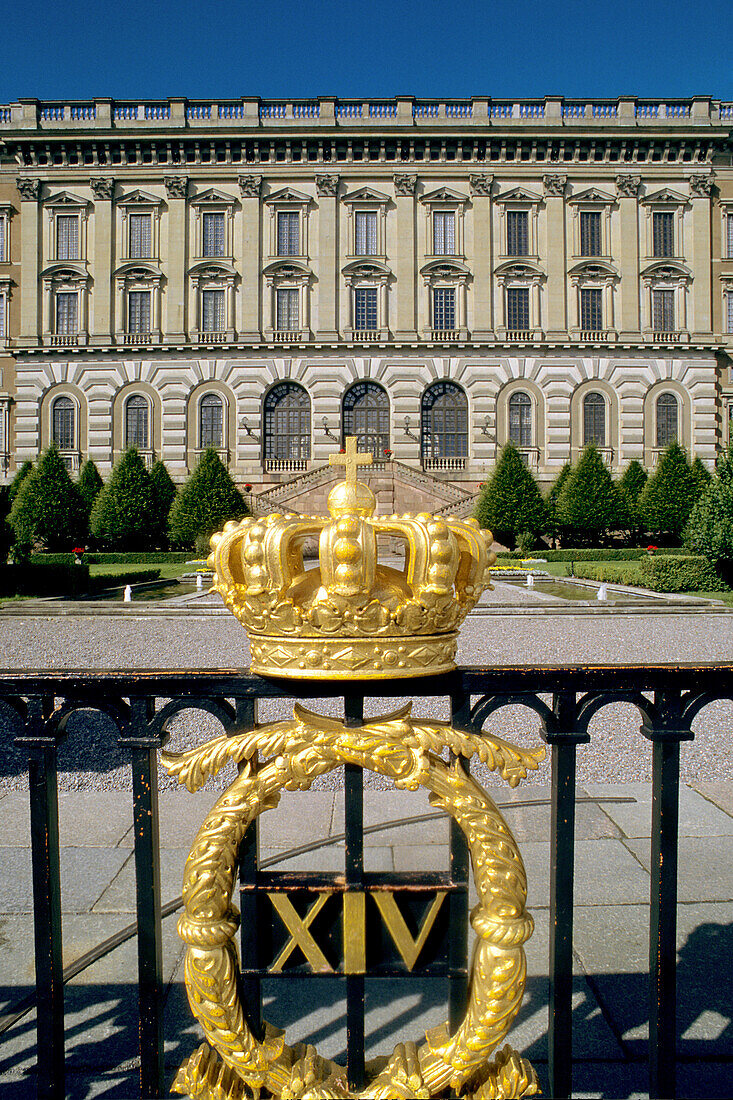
(435, 277)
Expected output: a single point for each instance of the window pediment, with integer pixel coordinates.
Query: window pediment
(594, 269)
(289, 194)
(139, 198)
(592, 195)
(367, 195)
(213, 197)
(519, 194)
(138, 270)
(446, 195)
(666, 270)
(515, 270)
(64, 270)
(364, 269)
(444, 269)
(286, 269)
(666, 195)
(67, 200)
(213, 270)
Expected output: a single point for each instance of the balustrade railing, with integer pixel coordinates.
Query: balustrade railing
(137, 709)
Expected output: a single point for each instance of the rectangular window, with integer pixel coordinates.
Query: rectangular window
(288, 233)
(590, 233)
(365, 231)
(213, 311)
(3, 238)
(591, 309)
(517, 308)
(66, 313)
(213, 235)
(729, 236)
(138, 311)
(67, 237)
(141, 236)
(287, 310)
(517, 233)
(663, 234)
(663, 310)
(365, 308)
(444, 308)
(729, 314)
(444, 233)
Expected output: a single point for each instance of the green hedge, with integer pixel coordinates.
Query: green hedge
(119, 580)
(626, 553)
(158, 557)
(663, 573)
(43, 580)
(613, 572)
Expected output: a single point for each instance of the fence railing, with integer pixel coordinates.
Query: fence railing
(142, 704)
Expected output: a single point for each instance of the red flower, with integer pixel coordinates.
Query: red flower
(79, 549)
(248, 488)
(387, 451)
(650, 549)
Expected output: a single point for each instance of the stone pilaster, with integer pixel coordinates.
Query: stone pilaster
(555, 323)
(327, 191)
(101, 329)
(701, 321)
(176, 189)
(405, 260)
(482, 261)
(248, 323)
(30, 243)
(627, 190)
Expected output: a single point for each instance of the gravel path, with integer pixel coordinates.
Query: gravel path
(617, 752)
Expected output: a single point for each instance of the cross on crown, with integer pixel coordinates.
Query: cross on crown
(351, 459)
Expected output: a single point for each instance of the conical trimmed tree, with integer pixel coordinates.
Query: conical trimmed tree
(669, 495)
(630, 486)
(709, 529)
(48, 510)
(19, 478)
(511, 501)
(121, 514)
(207, 500)
(90, 484)
(164, 493)
(588, 504)
(701, 474)
(555, 528)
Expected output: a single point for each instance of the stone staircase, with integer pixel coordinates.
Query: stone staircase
(397, 487)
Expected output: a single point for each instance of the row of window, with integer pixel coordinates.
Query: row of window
(287, 426)
(365, 303)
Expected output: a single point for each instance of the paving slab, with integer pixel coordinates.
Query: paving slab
(605, 873)
(719, 792)
(119, 896)
(697, 815)
(181, 814)
(705, 868)
(85, 874)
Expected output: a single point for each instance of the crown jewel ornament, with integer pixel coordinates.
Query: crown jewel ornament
(351, 617)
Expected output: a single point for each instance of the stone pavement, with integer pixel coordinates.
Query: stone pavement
(612, 896)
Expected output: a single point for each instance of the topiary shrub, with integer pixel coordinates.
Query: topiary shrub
(630, 486)
(554, 528)
(164, 493)
(701, 474)
(121, 516)
(669, 495)
(207, 500)
(48, 510)
(588, 503)
(511, 501)
(19, 478)
(709, 529)
(90, 484)
(677, 573)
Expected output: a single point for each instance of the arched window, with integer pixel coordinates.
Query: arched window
(137, 420)
(63, 424)
(287, 423)
(520, 419)
(366, 415)
(444, 421)
(668, 420)
(211, 421)
(594, 419)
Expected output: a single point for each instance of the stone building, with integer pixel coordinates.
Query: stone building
(436, 277)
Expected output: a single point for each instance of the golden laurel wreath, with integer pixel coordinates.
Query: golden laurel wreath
(233, 1064)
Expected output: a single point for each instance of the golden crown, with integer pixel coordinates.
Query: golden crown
(351, 616)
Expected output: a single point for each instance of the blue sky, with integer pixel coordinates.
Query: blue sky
(299, 48)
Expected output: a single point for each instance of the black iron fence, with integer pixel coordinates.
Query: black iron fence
(142, 704)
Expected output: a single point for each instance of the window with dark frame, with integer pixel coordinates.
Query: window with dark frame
(365, 308)
(365, 233)
(667, 420)
(287, 423)
(67, 236)
(591, 309)
(213, 234)
(138, 311)
(288, 233)
(211, 421)
(517, 308)
(366, 416)
(591, 235)
(140, 236)
(517, 233)
(444, 421)
(663, 233)
(287, 301)
(63, 424)
(67, 315)
(137, 412)
(663, 311)
(444, 233)
(594, 419)
(520, 419)
(444, 308)
(213, 311)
